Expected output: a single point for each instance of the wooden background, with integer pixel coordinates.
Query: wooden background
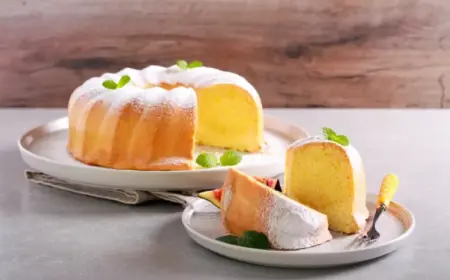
(299, 53)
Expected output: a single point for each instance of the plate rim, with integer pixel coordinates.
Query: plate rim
(301, 252)
(25, 151)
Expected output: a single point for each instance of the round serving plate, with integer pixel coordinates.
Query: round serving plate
(44, 149)
(202, 222)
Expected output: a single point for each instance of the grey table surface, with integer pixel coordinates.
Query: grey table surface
(51, 234)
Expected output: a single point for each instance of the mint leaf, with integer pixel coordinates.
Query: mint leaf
(123, 81)
(342, 139)
(206, 160)
(195, 64)
(182, 64)
(250, 239)
(109, 84)
(254, 239)
(230, 157)
(328, 133)
(230, 239)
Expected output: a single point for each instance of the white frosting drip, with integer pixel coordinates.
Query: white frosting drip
(292, 225)
(155, 75)
(199, 77)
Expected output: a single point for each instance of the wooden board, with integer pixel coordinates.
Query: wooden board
(326, 53)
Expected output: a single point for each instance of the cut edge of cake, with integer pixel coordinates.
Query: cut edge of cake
(360, 212)
(287, 224)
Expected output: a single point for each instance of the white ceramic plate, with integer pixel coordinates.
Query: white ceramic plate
(202, 222)
(44, 149)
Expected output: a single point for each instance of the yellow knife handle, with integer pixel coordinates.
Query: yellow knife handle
(387, 190)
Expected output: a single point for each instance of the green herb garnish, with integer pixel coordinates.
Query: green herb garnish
(250, 239)
(183, 64)
(110, 84)
(123, 81)
(230, 158)
(195, 64)
(329, 134)
(230, 239)
(207, 160)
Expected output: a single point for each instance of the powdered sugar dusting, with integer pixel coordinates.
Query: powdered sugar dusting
(140, 93)
(182, 97)
(145, 98)
(82, 120)
(136, 77)
(291, 225)
(197, 77)
(227, 196)
(135, 92)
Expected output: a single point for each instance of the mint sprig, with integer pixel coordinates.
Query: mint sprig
(183, 64)
(123, 81)
(207, 160)
(250, 239)
(110, 84)
(331, 135)
(228, 158)
(195, 64)
(230, 239)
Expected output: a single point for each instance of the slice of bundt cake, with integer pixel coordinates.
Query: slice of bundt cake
(327, 174)
(249, 204)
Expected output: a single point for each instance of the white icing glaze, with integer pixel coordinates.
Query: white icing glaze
(154, 75)
(199, 77)
(291, 225)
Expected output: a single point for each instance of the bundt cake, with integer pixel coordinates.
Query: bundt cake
(151, 119)
(326, 173)
(249, 204)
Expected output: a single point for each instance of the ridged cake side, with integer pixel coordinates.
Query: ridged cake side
(132, 127)
(250, 205)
